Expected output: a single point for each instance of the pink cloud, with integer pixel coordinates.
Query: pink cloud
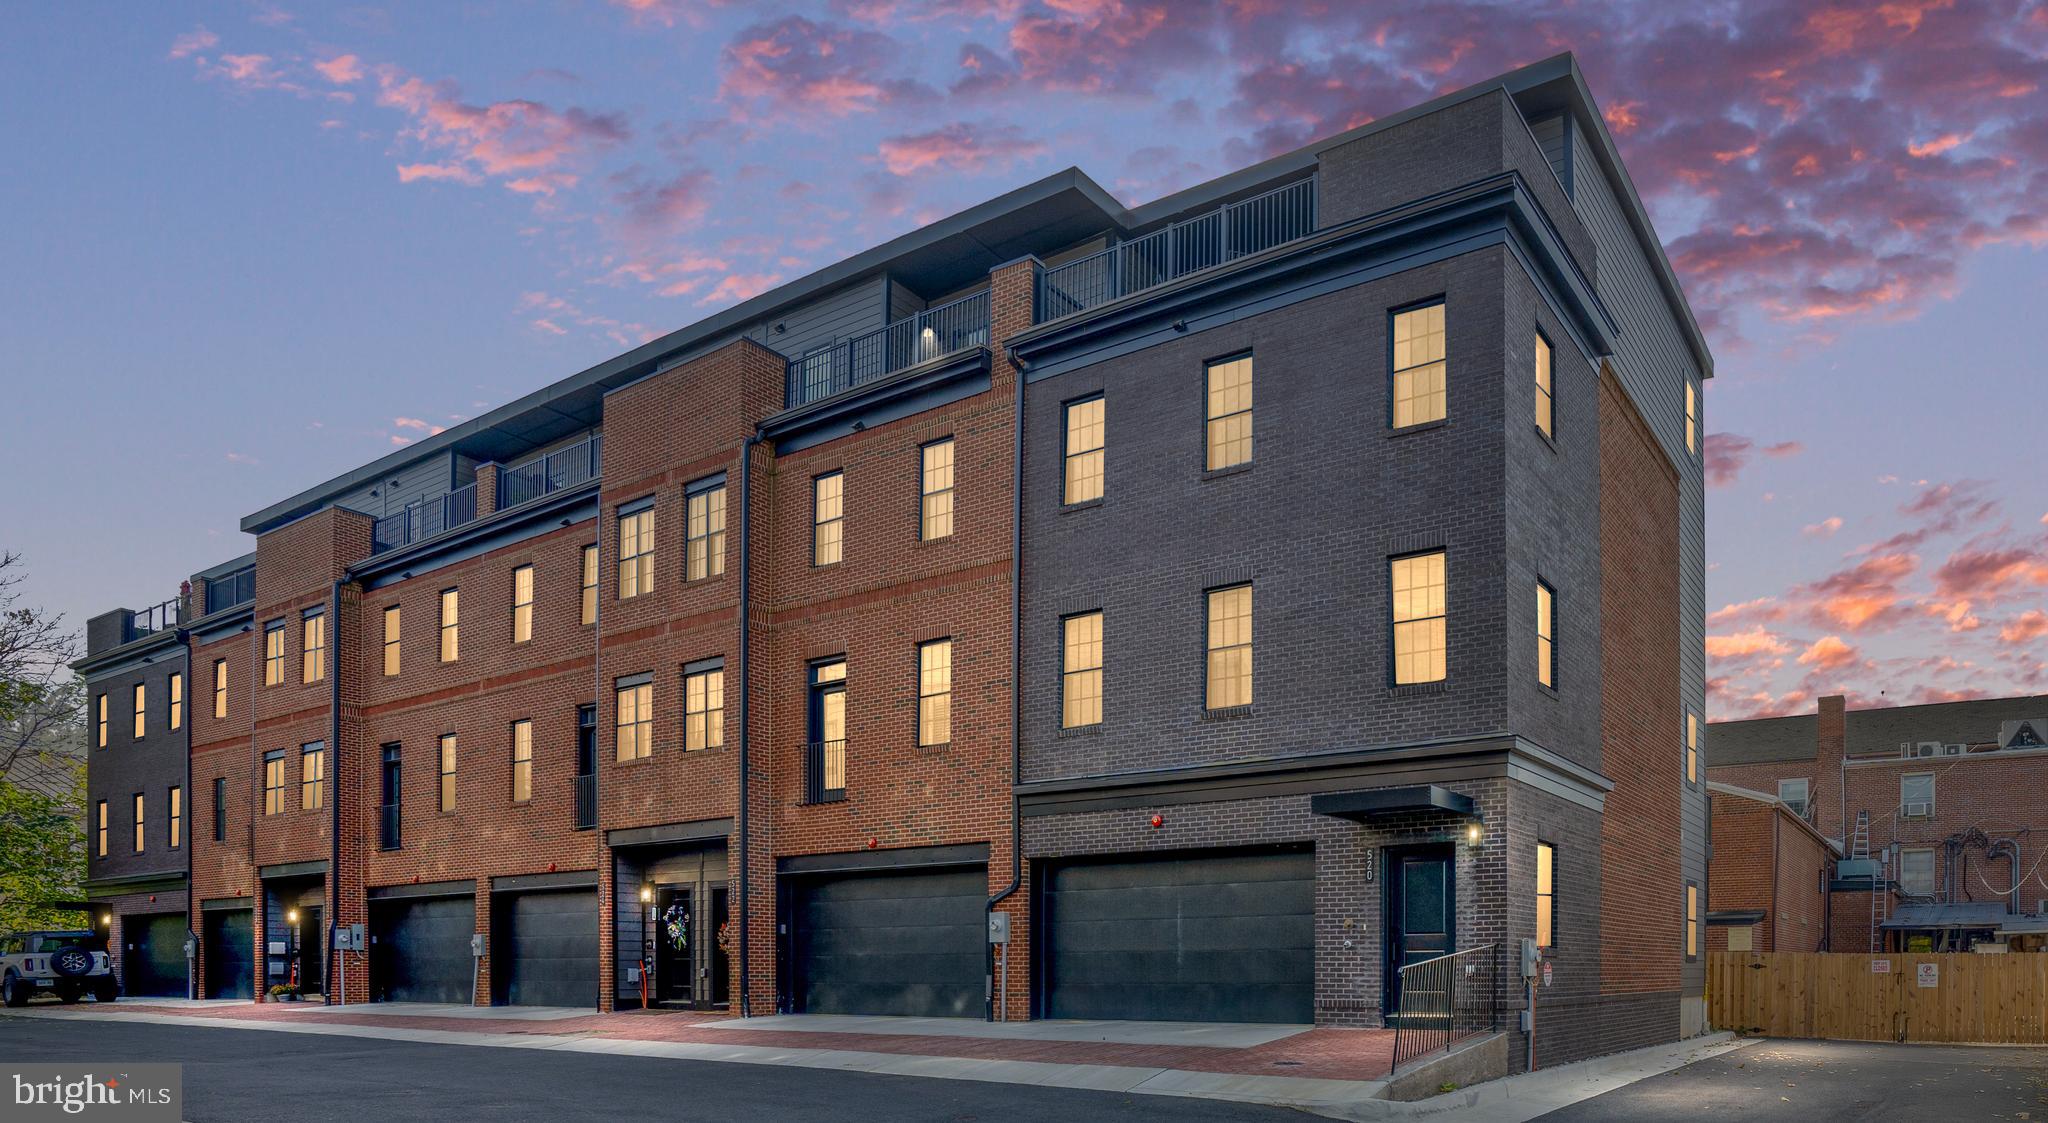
(1861, 595)
(2026, 627)
(740, 286)
(416, 424)
(408, 173)
(341, 69)
(192, 42)
(1739, 645)
(524, 142)
(1829, 653)
(1824, 528)
(958, 146)
(795, 66)
(1989, 573)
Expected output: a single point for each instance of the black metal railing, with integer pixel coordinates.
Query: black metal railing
(387, 826)
(825, 772)
(155, 618)
(557, 471)
(931, 334)
(231, 589)
(1445, 1000)
(586, 803)
(1188, 246)
(424, 519)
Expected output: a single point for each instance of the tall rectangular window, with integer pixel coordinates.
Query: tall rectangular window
(1916, 795)
(1916, 873)
(447, 772)
(102, 721)
(388, 800)
(828, 518)
(312, 776)
(1419, 366)
(1081, 670)
(1546, 895)
(1230, 647)
(1793, 794)
(313, 661)
(705, 545)
(176, 804)
(1692, 747)
(825, 761)
(99, 832)
(636, 718)
(1419, 612)
(1546, 637)
(1692, 417)
(220, 808)
(1546, 395)
(1084, 467)
(394, 651)
(935, 692)
(703, 706)
(585, 807)
(177, 701)
(1692, 920)
(139, 834)
(141, 711)
(451, 625)
(273, 653)
(935, 502)
(636, 550)
(1230, 412)
(522, 604)
(522, 761)
(590, 584)
(273, 782)
(220, 688)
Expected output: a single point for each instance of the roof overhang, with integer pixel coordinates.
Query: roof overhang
(1361, 806)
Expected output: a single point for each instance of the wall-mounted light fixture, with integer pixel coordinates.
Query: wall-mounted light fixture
(291, 916)
(1475, 832)
(646, 894)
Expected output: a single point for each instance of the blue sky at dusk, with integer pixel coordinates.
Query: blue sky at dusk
(251, 246)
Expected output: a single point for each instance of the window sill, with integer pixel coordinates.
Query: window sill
(1084, 505)
(936, 746)
(1419, 427)
(1232, 470)
(706, 579)
(921, 542)
(1091, 730)
(1546, 438)
(1231, 713)
(1418, 689)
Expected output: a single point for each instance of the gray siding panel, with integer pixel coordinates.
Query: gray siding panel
(850, 311)
(1553, 135)
(903, 302)
(425, 478)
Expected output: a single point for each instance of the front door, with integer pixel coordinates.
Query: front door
(675, 942)
(1421, 912)
(310, 961)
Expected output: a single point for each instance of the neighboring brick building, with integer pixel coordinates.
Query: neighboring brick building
(772, 664)
(1939, 811)
(1770, 875)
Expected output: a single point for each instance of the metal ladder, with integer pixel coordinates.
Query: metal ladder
(1860, 848)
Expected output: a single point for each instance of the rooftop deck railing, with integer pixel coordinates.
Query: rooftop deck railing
(1191, 245)
(424, 519)
(155, 618)
(934, 333)
(557, 471)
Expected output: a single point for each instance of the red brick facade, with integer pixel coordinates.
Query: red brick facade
(1768, 860)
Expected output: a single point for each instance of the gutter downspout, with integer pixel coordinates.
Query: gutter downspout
(746, 630)
(1016, 663)
(192, 961)
(334, 666)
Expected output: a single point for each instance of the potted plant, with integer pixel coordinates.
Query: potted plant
(284, 992)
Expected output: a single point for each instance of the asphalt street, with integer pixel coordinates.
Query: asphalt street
(233, 1075)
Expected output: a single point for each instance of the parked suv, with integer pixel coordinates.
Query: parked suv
(67, 964)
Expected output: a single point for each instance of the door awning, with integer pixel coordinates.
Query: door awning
(1370, 802)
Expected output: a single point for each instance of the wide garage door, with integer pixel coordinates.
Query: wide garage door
(229, 937)
(419, 949)
(1197, 937)
(901, 942)
(545, 948)
(153, 955)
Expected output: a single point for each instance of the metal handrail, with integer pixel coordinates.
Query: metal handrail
(1191, 245)
(586, 803)
(934, 333)
(1444, 1000)
(424, 519)
(818, 755)
(156, 618)
(557, 471)
(387, 826)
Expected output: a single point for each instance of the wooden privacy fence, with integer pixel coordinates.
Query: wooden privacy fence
(1898, 997)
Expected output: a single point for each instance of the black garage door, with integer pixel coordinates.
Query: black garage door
(544, 952)
(419, 949)
(229, 941)
(153, 955)
(1206, 937)
(907, 943)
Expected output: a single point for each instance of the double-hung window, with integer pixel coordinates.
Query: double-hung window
(1419, 615)
(1081, 670)
(1692, 417)
(522, 761)
(451, 625)
(1916, 873)
(1692, 747)
(522, 604)
(447, 771)
(273, 782)
(935, 692)
(390, 794)
(636, 549)
(635, 723)
(139, 831)
(102, 721)
(220, 808)
(1546, 635)
(273, 653)
(313, 660)
(1793, 794)
(1692, 920)
(590, 584)
(312, 776)
(220, 688)
(704, 705)
(1420, 380)
(705, 547)
(176, 833)
(1230, 647)
(828, 518)
(1546, 895)
(1229, 430)
(177, 702)
(141, 711)
(99, 832)
(394, 627)
(1083, 478)
(825, 760)
(935, 489)
(1546, 394)
(1916, 795)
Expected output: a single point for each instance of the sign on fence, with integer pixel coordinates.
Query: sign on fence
(1898, 997)
(1880, 966)
(1930, 974)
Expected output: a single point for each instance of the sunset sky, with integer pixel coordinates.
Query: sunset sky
(248, 246)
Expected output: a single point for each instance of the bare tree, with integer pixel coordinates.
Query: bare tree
(40, 698)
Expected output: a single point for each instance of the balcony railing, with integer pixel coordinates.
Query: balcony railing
(1444, 1000)
(155, 618)
(1189, 246)
(586, 803)
(825, 772)
(387, 826)
(424, 519)
(931, 334)
(231, 589)
(557, 471)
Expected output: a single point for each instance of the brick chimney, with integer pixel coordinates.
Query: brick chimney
(1831, 739)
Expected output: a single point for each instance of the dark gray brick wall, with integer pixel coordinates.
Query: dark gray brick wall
(152, 766)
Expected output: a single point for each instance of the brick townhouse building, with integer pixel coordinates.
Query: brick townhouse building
(1938, 813)
(1316, 551)
(1770, 872)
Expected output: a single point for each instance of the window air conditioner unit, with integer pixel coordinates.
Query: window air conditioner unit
(1919, 810)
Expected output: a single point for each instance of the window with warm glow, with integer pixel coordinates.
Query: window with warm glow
(935, 504)
(99, 848)
(522, 604)
(828, 518)
(827, 760)
(1419, 368)
(1229, 433)
(1546, 640)
(177, 821)
(313, 661)
(1084, 467)
(312, 776)
(636, 720)
(1692, 920)
(273, 653)
(636, 553)
(1230, 647)
(1692, 417)
(706, 547)
(273, 782)
(139, 833)
(1081, 670)
(141, 711)
(590, 584)
(102, 721)
(704, 709)
(935, 692)
(177, 702)
(220, 688)
(1692, 747)
(1545, 397)
(1419, 615)
(451, 625)
(394, 627)
(522, 761)
(1546, 895)
(447, 771)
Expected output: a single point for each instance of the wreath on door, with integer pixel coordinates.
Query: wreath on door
(725, 936)
(676, 924)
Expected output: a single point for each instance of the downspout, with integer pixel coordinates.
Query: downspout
(2012, 904)
(334, 665)
(746, 630)
(604, 862)
(1016, 661)
(191, 681)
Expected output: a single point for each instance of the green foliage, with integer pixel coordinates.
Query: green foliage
(42, 854)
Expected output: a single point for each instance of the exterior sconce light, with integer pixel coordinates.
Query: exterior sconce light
(292, 917)
(646, 894)
(1475, 833)
(107, 919)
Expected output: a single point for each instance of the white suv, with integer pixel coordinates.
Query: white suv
(67, 964)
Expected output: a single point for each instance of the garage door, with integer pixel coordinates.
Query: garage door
(1209, 937)
(230, 947)
(153, 955)
(419, 949)
(907, 943)
(545, 948)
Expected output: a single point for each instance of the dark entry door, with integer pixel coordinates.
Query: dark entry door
(902, 942)
(230, 946)
(546, 953)
(153, 955)
(1201, 936)
(676, 930)
(1422, 903)
(307, 953)
(419, 949)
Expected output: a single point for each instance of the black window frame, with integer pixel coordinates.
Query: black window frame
(391, 796)
(1395, 313)
(220, 808)
(815, 770)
